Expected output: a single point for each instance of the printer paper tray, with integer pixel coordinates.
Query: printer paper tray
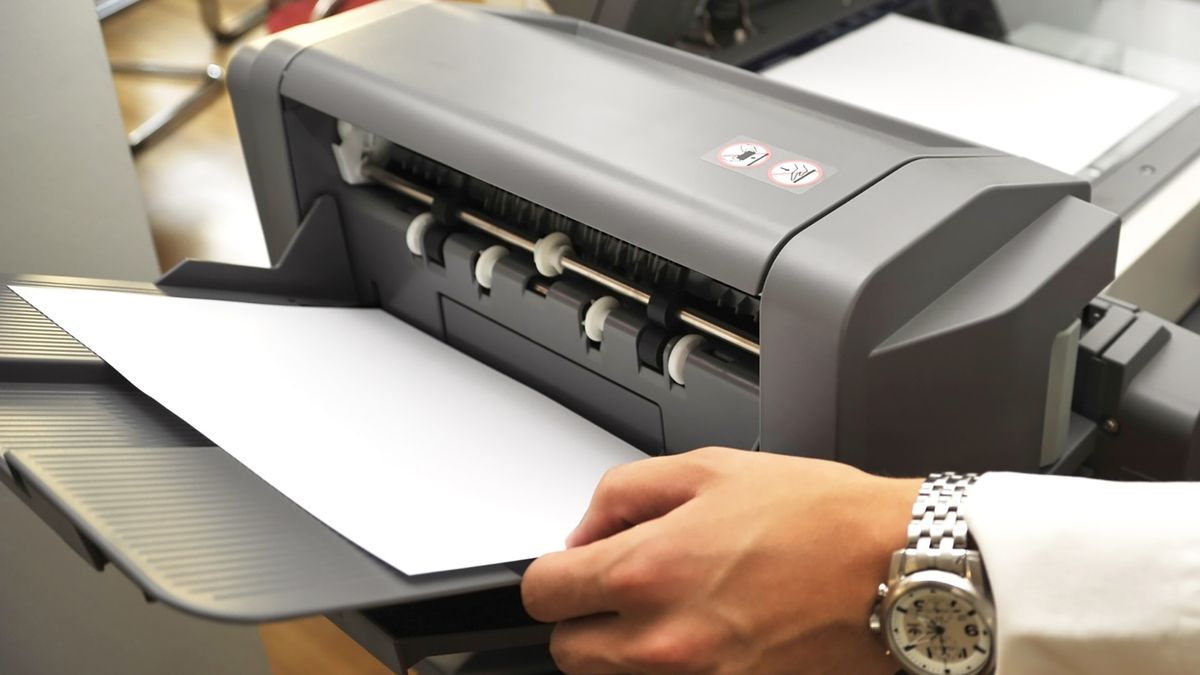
(122, 479)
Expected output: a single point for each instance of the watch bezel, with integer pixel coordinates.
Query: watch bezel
(958, 586)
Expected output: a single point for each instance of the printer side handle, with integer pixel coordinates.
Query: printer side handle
(1138, 381)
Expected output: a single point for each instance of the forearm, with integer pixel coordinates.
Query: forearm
(1091, 576)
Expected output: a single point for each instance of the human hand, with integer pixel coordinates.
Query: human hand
(724, 561)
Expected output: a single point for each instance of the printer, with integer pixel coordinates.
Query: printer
(681, 251)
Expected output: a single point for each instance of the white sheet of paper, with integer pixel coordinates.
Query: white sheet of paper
(426, 458)
(1055, 112)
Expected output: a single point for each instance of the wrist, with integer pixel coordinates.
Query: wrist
(883, 517)
(881, 509)
(892, 515)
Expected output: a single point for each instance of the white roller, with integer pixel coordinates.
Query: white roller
(548, 253)
(596, 315)
(357, 147)
(415, 236)
(487, 264)
(683, 348)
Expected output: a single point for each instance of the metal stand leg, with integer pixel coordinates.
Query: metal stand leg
(211, 78)
(225, 31)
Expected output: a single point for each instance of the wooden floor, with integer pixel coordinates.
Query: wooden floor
(194, 180)
(315, 647)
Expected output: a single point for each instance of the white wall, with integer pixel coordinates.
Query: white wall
(69, 199)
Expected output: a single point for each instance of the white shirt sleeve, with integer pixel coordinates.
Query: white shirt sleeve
(1091, 576)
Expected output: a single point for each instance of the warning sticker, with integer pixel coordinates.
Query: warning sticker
(743, 155)
(796, 173)
(769, 164)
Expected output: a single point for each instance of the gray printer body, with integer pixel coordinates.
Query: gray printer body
(908, 303)
(756, 34)
(927, 305)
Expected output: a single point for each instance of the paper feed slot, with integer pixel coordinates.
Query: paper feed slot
(550, 315)
(558, 246)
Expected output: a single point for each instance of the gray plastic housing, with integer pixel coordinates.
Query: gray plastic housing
(919, 287)
(786, 28)
(1139, 377)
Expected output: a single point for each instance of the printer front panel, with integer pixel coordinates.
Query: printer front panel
(532, 329)
(899, 334)
(828, 369)
(530, 326)
(620, 152)
(840, 376)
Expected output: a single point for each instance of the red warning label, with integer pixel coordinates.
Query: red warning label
(796, 173)
(743, 155)
(769, 164)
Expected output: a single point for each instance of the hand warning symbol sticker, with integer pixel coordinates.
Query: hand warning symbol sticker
(743, 155)
(796, 173)
(772, 165)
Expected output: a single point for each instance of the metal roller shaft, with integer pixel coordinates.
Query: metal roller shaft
(700, 323)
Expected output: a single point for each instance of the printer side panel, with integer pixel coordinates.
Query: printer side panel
(255, 76)
(911, 329)
(1141, 382)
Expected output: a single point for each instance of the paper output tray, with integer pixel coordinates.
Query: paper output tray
(123, 480)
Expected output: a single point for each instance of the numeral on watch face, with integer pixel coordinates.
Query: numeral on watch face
(933, 631)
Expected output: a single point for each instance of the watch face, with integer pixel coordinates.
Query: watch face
(936, 627)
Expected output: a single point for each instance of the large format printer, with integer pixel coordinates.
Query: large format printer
(678, 250)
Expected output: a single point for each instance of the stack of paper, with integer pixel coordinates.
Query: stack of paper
(1061, 114)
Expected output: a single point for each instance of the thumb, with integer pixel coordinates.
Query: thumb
(633, 493)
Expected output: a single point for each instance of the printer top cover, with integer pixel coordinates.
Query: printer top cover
(611, 131)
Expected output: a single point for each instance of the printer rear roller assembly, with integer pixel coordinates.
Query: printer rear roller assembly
(553, 255)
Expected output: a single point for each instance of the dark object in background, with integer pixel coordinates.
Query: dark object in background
(754, 33)
(287, 14)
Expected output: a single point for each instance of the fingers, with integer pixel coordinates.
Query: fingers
(600, 645)
(591, 645)
(637, 492)
(573, 583)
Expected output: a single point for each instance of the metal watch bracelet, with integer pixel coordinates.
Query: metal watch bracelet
(938, 544)
(937, 535)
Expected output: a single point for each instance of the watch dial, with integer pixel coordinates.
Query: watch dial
(933, 630)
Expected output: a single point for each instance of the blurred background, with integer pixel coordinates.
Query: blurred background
(192, 174)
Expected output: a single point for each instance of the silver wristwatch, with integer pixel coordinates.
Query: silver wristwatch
(935, 612)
